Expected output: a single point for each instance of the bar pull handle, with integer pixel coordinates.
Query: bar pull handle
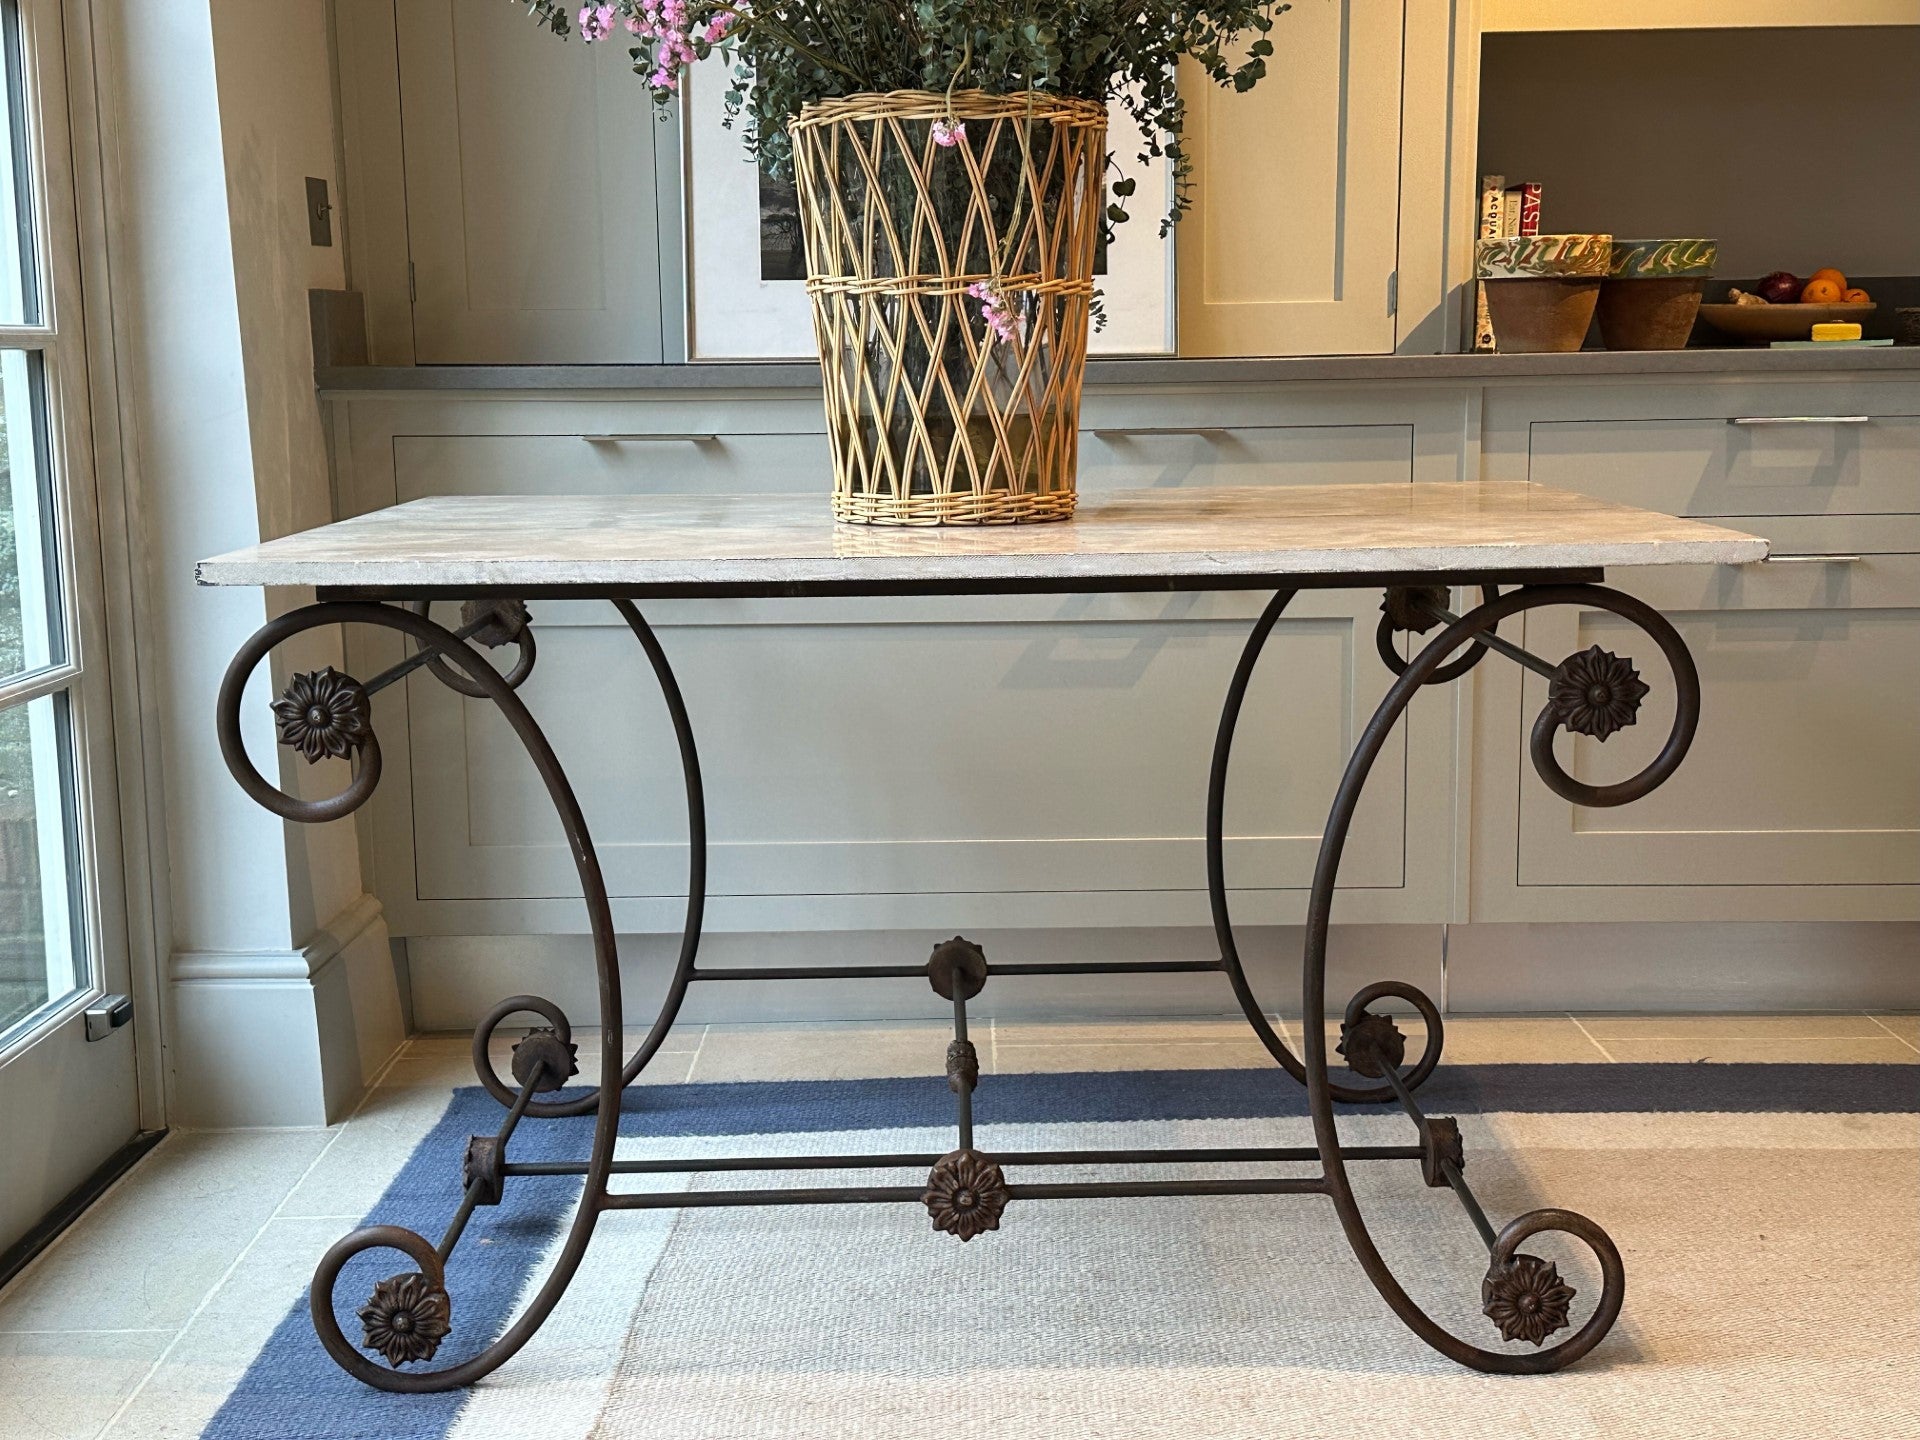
(1105, 430)
(1802, 420)
(1814, 559)
(638, 438)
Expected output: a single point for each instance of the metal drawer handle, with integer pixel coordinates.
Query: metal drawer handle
(1814, 559)
(624, 439)
(1105, 430)
(1802, 420)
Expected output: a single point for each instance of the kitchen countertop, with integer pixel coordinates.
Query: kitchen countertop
(534, 544)
(786, 375)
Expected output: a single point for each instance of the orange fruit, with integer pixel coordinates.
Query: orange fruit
(1822, 291)
(1857, 296)
(1829, 273)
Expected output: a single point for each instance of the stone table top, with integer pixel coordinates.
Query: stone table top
(1189, 538)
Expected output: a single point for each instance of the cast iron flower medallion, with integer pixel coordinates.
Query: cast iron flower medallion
(406, 1319)
(1596, 693)
(1526, 1299)
(324, 715)
(1372, 1045)
(965, 1194)
(1406, 607)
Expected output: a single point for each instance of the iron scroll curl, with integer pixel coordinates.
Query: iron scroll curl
(424, 1293)
(1522, 1294)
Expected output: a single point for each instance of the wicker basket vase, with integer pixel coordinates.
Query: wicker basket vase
(932, 418)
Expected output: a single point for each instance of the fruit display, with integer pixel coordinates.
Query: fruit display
(1826, 286)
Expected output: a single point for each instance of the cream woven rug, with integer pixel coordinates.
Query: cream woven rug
(1773, 1289)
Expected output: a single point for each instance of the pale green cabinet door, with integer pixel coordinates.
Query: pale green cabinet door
(1804, 771)
(1290, 247)
(531, 213)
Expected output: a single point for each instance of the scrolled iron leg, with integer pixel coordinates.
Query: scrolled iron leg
(325, 714)
(696, 900)
(1217, 870)
(1594, 693)
(500, 621)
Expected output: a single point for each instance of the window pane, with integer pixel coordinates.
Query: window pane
(41, 954)
(31, 633)
(19, 288)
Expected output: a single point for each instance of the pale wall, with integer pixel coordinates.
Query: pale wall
(1779, 143)
(212, 117)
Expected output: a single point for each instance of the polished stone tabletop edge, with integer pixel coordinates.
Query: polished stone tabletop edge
(718, 540)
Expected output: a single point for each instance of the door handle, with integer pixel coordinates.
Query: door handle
(108, 1014)
(1814, 559)
(1105, 430)
(635, 438)
(1802, 420)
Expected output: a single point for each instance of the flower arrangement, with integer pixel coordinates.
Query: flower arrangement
(964, 142)
(785, 54)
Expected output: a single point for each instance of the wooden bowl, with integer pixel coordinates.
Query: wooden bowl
(1759, 324)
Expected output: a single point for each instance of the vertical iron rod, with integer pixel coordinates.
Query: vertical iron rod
(963, 1093)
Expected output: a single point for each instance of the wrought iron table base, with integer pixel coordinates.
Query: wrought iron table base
(965, 1191)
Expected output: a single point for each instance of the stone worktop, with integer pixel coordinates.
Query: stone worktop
(797, 375)
(548, 543)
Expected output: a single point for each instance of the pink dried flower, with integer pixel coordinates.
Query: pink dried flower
(596, 22)
(995, 309)
(949, 133)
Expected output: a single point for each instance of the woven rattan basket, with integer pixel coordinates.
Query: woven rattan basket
(934, 420)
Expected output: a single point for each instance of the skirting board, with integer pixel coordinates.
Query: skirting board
(1486, 968)
(1857, 965)
(283, 1037)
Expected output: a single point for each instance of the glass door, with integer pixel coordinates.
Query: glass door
(68, 1097)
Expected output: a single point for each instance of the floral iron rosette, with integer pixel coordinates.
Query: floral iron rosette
(1596, 693)
(1526, 1299)
(324, 715)
(966, 1194)
(406, 1319)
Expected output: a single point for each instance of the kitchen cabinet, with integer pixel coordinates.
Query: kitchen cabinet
(512, 199)
(1291, 244)
(1801, 797)
(530, 167)
(1804, 772)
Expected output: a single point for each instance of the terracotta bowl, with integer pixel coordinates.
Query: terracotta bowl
(1541, 289)
(1541, 314)
(1652, 292)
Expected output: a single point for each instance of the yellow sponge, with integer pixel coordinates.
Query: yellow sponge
(1837, 330)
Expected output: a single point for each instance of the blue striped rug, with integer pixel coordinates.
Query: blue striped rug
(292, 1391)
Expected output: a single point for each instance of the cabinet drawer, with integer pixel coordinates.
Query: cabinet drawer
(838, 762)
(1818, 562)
(1123, 457)
(1741, 465)
(1804, 770)
(610, 464)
